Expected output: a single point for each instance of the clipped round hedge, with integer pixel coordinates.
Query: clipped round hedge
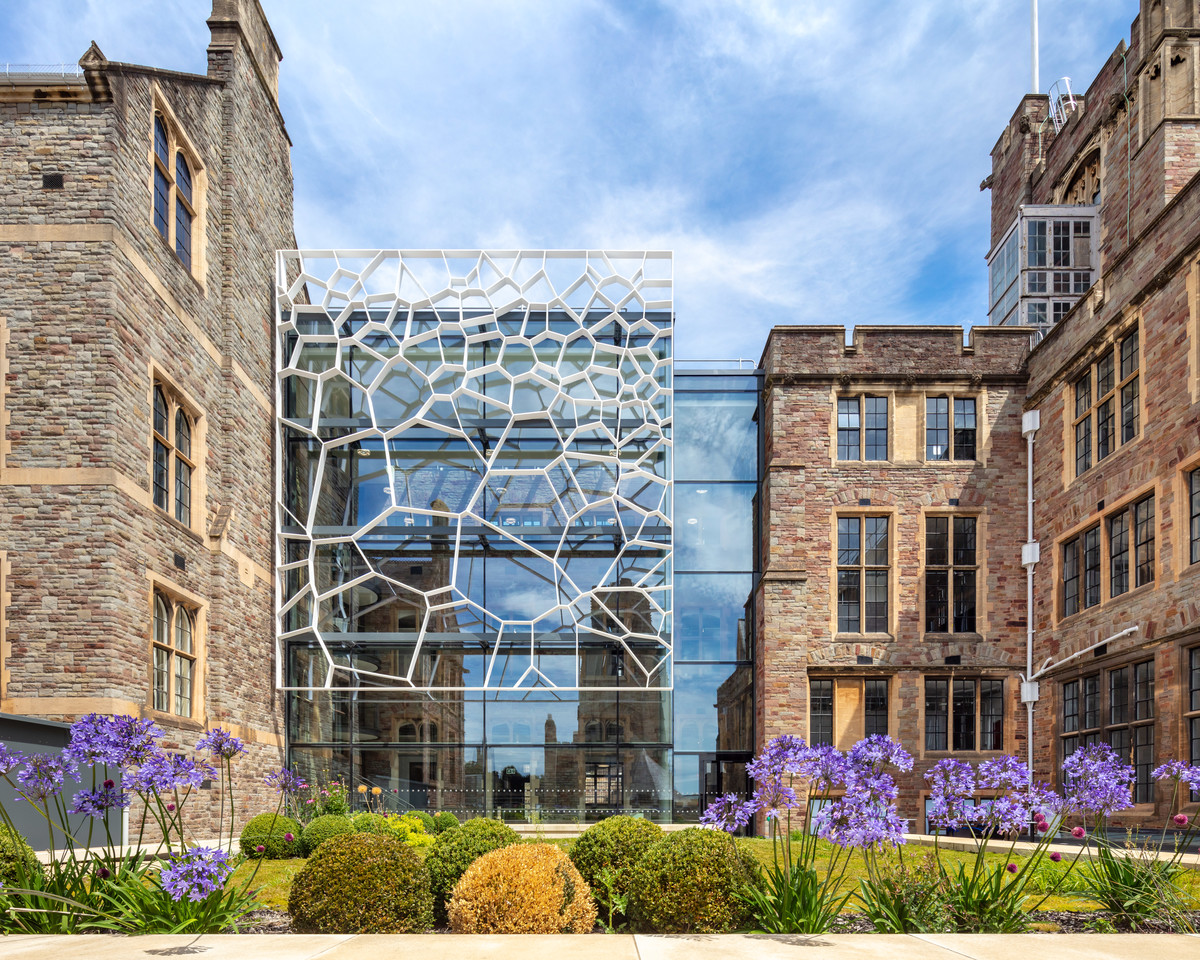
(615, 844)
(276, 847)
(370, 823)
(18, 863)
(426, 820)
(456, 849)
(688, 882)
(362, 883)
(522, 888)
(324, 827)
(443, 821)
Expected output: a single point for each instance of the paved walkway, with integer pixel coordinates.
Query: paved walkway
(598, 947)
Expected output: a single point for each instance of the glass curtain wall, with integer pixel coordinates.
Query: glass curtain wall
(406, 534)
(717, 467)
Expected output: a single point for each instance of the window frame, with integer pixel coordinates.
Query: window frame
(174, 467)
(862, 571)
(962, 442)
(952, 568)
(176, 194)
(1105, 401)
(168, 654)
(865, 435)
(826, 696)
(984, 726)
(1191, 708)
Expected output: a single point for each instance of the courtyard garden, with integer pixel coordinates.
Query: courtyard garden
(836, 857)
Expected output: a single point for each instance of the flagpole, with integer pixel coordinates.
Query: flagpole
(1033, 36)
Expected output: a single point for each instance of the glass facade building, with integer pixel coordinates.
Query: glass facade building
(477, 554)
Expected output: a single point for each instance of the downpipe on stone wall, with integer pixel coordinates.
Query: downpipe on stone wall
(1031, 421)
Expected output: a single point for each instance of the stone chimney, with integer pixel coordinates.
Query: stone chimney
(235, 22)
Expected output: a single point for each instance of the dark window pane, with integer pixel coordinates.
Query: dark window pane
(991, 714)
(1091, 567)
(1070, 568)
(1083, 394)
(1070, 712)
(162, 201)
(964, 428)
(160, 414)
(937, 541)
(820, 699)
(848, 601)
(848, 429)
(1143, 691)
(875, 602)
(1083, 445)
(183, 492)
(1104, 374)
(964, 541)
(183, 234)
(1194, 509)
(183, 178)
(160, 140)
(964, 601)
(1105, 430)
(964, 714)
(849, 541)
(937, 601)
(1143, 763)
(1194, 682)
(876, 541)
(161, 469)
(875, 697)
(1091, 701)
(937, 428)
(876, 429)
(1129, 355)
(1143, 540)
(1129, 410)
(936, 714)
(1118, 695)
(1118, 549)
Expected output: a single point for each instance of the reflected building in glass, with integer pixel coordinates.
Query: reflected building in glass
(475, 528)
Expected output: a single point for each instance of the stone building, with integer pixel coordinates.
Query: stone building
(141, 211)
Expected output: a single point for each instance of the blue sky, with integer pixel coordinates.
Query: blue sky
(808, 162)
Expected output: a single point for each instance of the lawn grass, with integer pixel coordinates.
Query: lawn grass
(274, 878)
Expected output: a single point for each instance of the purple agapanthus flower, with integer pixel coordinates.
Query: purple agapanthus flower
(728, 812)
(121, 741)
(220, 743)
(97, 803)
(773, 795)
(824, 766)
(878, 751)
(1004, 773)
(1005, 814)
(782, 756)
(9, 759)
(1179, 771)
(42, 776)
(1096, 780)
(859, 819)
(196, 873)
(165, 772)
(952, 784)
(284, 781)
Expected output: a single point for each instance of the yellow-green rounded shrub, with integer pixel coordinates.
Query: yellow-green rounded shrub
(324, 827)
(523, 888)
(362, 883)
(615, 844)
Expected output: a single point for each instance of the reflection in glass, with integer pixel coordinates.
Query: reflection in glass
(715, 436)
(714, 707)
(714, 528)
(710, 616)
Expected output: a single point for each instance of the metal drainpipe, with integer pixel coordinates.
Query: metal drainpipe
(1030, 554)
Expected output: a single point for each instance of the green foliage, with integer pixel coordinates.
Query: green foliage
(269, 831)
(18, 863)
(690, 882)
(604, 855)
(362, 883)
(456, 849)
(897, 898)
(443, 821)
(795, 900)
(426, 821)
(984, 899)
(1135, 885)
(370, 823)
(321, 829)
(320, 800)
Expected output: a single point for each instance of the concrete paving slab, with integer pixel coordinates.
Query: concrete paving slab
(450, 946)
(701, 946)
(1073, 946)
(211, 947)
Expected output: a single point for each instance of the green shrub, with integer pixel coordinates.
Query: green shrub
(522, 888)
(426, 820)
(443, 821)
(370, 823)
(613, 845)
(324, 827)
(260, 832)
(690, 881)
(362, 883)
(456, 849)
(18, 863)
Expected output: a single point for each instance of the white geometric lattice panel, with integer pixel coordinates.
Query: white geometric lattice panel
(474, 470)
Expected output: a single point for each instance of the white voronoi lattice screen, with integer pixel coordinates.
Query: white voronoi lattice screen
(474, 462)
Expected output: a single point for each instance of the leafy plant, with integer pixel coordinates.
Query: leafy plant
(279, 837)
(691, 881)
(324, 827)
(1136, 885)
(522, 888)
(455, 849)
(612, 847)
(362, 883)
(443, 821)
(898, 898)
